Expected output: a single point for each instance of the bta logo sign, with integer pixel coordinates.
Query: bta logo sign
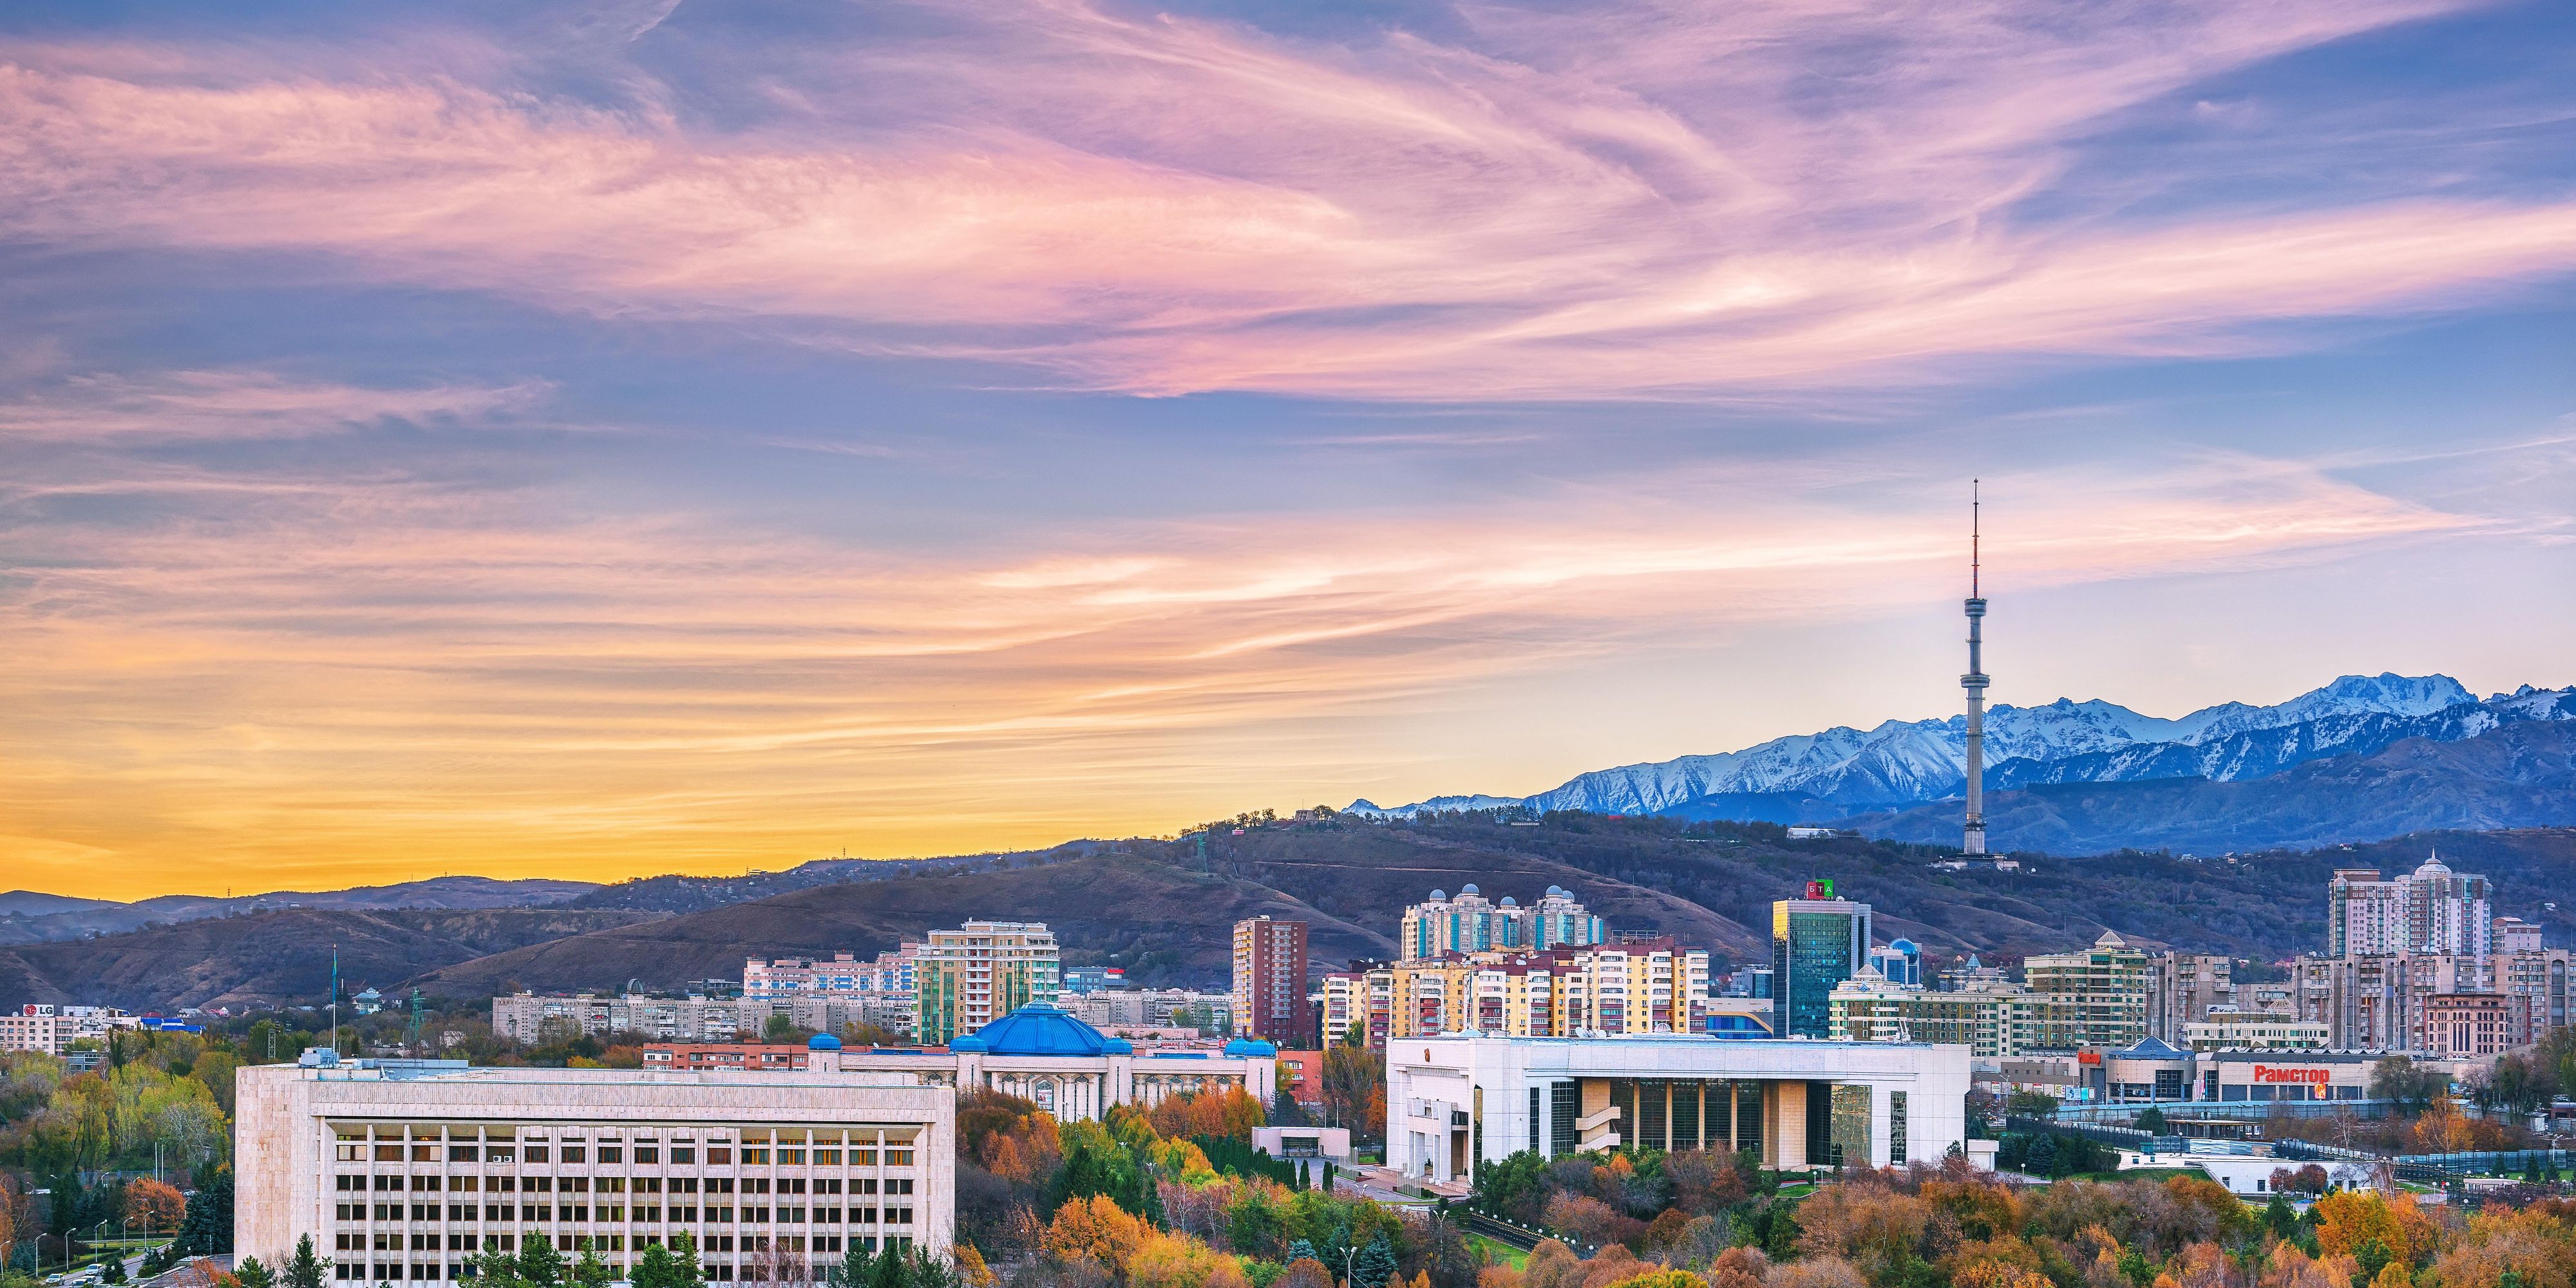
(2313, 1077)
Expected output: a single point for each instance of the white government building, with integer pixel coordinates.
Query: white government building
(1455, 1099)
(403, 1170)
(1046, 1055)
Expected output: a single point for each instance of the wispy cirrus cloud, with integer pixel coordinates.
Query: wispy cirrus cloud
(484, 674)
(1629, 200)
(232, 404)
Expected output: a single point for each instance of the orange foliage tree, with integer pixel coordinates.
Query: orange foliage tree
(1096, 1228)
(154, 1205)
(1228, 1112)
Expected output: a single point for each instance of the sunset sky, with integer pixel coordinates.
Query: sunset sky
(591, 441)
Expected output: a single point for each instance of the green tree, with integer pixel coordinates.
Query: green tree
(539, 1263)
(590, 1271)
(653, 1268)
(306, 1268)
(888, 1270)
(253, 1274)
(851, 1271)
(1375, 1263)
(494, 1268)
(685, 1270)
(2152, 1122)
(2280, 1219)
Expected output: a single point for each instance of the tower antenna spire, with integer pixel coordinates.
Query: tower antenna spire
(1973, 838)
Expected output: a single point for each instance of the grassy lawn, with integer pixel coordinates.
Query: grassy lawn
(1498, 1251)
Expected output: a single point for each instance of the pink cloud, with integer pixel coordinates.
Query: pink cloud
(231, 404)
(1624, 201)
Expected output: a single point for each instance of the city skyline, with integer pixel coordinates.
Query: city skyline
(649, 438)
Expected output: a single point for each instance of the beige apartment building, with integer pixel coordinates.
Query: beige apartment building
(2093, 998)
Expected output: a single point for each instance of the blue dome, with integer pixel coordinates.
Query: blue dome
(1906, 946)
(1250, 1047)
(967, 1042)
(1118, 1046)
(822, 1042)
(1040, 1029)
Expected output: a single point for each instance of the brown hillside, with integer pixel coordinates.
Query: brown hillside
(280, 957)
(1163, 921)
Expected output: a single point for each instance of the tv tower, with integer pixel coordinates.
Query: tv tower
(1975, 683)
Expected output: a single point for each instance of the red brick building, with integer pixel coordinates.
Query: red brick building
(756, 1057)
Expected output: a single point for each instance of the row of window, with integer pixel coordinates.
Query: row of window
(431, 1241)
(641, 1213)
(716, 1271)
(352, 1151)
(394, 1183)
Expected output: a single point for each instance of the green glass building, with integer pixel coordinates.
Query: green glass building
(1816, 943)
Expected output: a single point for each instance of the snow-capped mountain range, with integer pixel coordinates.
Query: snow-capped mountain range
(1845, 771)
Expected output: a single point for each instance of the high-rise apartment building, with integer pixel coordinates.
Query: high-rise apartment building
(2429, 910)
(1361, 998)
(1270, 982)
(2093, 998)
(1471, 923)
(1817, 942)
(1654, 986)
(969, 977)
(877, 991)
(2182, 988)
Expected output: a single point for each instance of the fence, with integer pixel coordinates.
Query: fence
(2240, 1109)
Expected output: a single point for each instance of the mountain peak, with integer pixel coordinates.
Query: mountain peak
(1897, 763)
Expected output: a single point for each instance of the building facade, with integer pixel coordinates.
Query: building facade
(404, 1172)
(1470, 923)
(736, 1057)
(1650, 986)
(878, 991)
(969, 977)
(1270, 982)
(1455, 1101)
(1816, 943)
(52, 1029)
(2093, 998)
(534, 1018)
(2461, 1025)
(1045, 1055)
(2184, 987)
(2229, 1029)
(1361, 999)
(1992, 1018)
(2432, 911)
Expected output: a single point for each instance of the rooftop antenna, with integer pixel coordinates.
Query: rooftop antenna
(335, 1000)
(1973, 840)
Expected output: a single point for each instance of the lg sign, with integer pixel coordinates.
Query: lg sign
(2266, 1073)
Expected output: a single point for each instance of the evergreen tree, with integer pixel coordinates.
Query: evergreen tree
(1375, 1263)
(114, 1271)
(254, 1275)
(590, 1271)
(851, 1271)
(206, 1229)
(2280, 1219)
(653, 1268)
(307, 1268)
(497, 1269)
(1300, 1250)
(539, 1263)
(685, 1271)
(888, 1269)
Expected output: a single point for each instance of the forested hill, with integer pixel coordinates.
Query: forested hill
(1163, 909)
